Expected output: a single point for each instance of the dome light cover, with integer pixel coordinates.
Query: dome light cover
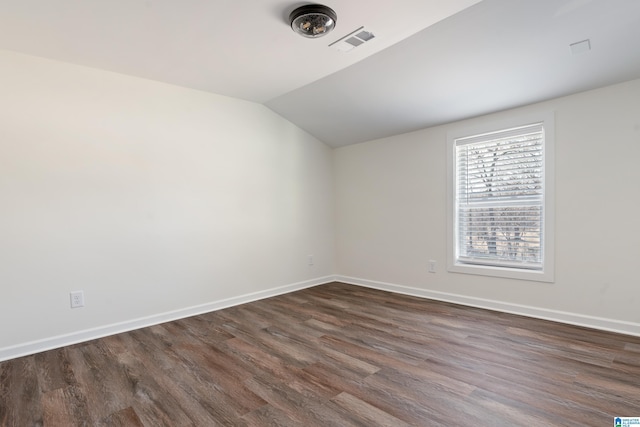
(313, 20)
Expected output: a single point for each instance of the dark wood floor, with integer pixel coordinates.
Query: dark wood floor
(333, 355)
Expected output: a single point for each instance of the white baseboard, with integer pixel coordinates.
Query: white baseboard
(610, 325)
(33, 347)
(38, 346)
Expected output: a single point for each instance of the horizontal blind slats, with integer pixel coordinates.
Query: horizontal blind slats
(501, 152)
(500, 189)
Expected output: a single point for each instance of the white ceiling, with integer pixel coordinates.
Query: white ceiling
(432, 61)
(240, 48)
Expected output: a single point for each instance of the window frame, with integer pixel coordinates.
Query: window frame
(546, 273)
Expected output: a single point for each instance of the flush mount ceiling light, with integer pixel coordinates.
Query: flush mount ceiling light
(313, 20)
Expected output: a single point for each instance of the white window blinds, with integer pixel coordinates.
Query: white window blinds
(499, 182)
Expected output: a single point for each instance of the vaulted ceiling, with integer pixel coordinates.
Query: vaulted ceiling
(431, 61)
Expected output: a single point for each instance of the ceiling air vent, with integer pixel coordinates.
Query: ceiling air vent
(353, 40)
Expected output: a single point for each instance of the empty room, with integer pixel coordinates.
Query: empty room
(268, 213)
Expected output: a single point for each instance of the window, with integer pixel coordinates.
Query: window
(500, 201)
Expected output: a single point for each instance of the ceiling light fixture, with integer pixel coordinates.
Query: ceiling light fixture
(313, 20)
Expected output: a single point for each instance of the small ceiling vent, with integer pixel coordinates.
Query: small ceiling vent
(353, 39)
(580, 47)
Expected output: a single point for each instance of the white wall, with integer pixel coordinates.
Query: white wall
(156, 201)
(160, 201)
(391, 215)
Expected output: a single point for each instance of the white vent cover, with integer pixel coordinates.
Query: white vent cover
(353, 40)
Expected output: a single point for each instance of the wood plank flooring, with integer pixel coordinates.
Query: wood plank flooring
(332, 355)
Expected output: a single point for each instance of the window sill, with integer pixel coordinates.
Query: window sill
(509, 273)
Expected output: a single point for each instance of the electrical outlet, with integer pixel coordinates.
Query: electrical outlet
(432, 266)
(77, 299)
(310, 259)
